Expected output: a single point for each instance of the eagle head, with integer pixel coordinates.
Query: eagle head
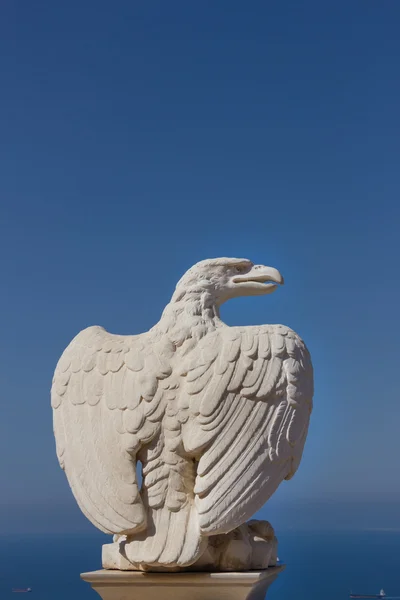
(225, 278)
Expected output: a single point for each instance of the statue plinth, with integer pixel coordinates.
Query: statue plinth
(137, 585)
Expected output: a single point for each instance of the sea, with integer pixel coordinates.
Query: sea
(320, 566)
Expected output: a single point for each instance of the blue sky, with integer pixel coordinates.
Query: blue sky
(138, 138)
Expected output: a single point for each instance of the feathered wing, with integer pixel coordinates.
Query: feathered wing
(114, 403)
(245, 412)
(107, 397)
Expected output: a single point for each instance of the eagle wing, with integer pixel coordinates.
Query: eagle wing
(245, 412)
(107, 399)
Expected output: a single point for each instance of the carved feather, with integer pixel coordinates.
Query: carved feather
(260, 436)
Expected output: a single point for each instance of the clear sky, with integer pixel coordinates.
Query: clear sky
(140, 137)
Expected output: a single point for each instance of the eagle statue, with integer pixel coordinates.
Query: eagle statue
(182, 433)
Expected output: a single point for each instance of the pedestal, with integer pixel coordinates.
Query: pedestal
(136, 585)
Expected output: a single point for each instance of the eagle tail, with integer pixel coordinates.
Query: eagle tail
(172, 537)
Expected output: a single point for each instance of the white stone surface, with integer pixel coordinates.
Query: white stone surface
(120, 585)
(251, 546)
(216, 415)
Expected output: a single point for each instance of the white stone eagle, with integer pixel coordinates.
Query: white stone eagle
(216, 415)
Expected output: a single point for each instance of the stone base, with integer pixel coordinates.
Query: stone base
(137, 585)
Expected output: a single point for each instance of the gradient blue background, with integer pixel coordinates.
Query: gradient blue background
(140, 137)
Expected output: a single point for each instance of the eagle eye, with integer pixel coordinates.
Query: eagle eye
(241, 268)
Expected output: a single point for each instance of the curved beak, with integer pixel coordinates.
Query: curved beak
(259, 280)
